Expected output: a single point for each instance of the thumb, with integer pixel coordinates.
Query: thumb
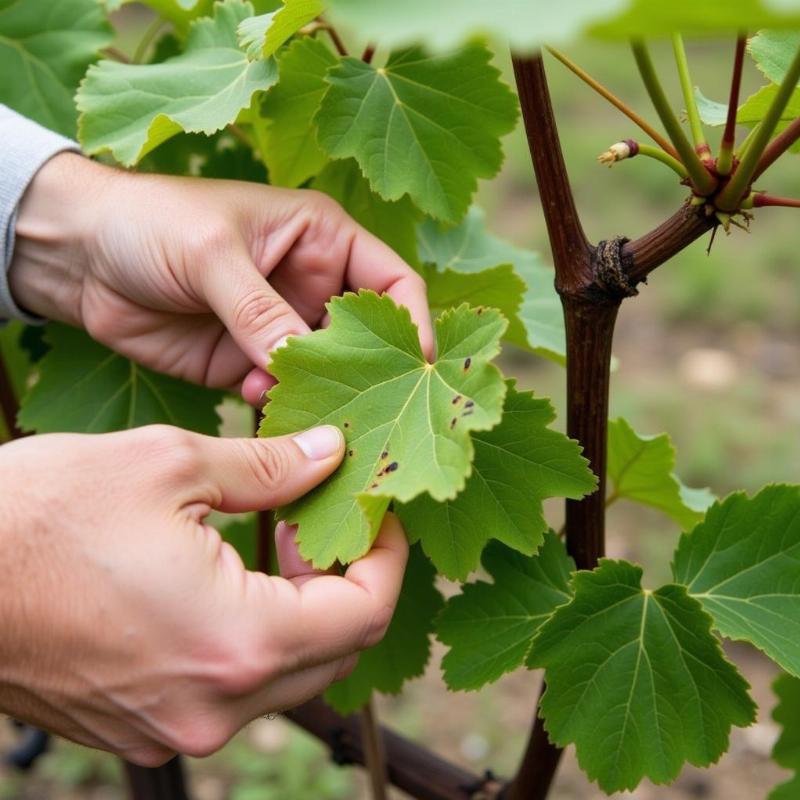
(256, 474)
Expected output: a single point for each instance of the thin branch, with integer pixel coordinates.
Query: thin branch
(777, 147)
(411, 768)
(703, 181)
(687, 87)
(644, 254)
(725, 159)
(265, 526)
(374, 754)
(615, 101)
(571, 250)
(739, 184)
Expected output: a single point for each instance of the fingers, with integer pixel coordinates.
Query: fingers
(238, 475)
(258, 318)
(337, 616)
(255, 386)
(293, 566)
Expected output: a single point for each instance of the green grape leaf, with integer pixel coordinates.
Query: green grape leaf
(394, 223)
(404, 651)
(406, 422)
(242, 535)
(44, 52)
(129, 109)
(787, 749)
(290, 143)
(497, 287)
(641, 469)
(536, 320)
(85, 388)
(525, 24)
(426, 126)
(489, 627)
(517, 465)
(711, 112)
(643, 18)
(773, 52)
(636, 679)
(742, 563)
(262, 35)
(752, 111)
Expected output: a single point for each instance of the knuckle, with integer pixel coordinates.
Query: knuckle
(212, 239)
(323, 204)
(201, 736)
(260, 310)
(240, 666)
(270, 463)
(177, 449)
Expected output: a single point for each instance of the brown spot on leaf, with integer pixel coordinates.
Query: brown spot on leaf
(391, 467)
(469, 404)
(346, 424)
(467, 363)
(350, 452)
(453, 423)
(456, 399)
(385, 454)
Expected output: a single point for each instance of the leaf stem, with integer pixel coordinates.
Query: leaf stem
(335, 38)
(702, 180)
(374, 754)
(725, 158)
(630, 148)
(777, 147)
(239, 134)
(700, 144)
(367, 55)
(730, 197)
(147, 39)
(115, 54)
(615, 101)
(764, 200)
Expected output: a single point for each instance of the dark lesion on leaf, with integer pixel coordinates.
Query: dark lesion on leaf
(453, 423)
(467, 363)
(469, 404)
(456, 400)
(351, 453)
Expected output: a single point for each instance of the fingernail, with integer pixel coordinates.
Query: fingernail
(318, 443)
(277, 346)
(280, 343)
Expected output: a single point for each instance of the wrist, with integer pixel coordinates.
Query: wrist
(55, 227)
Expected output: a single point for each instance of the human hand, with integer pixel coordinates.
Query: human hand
(126, 624)
(171, 271)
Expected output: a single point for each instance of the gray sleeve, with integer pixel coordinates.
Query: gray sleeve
(25, 146)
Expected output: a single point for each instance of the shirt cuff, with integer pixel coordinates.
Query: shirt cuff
(25, 147)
